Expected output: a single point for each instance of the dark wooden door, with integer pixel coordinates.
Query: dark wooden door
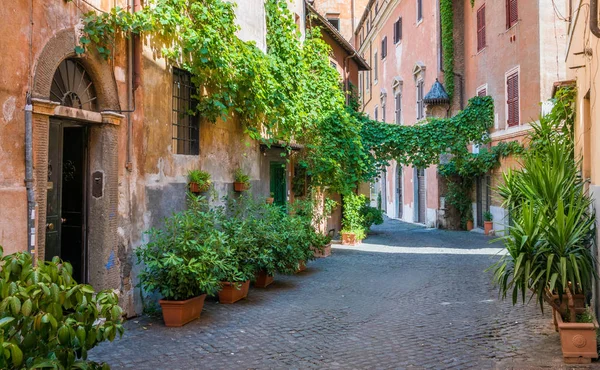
(67, 165)
(483, 198)
(277, 183)
(422, 190)
(399, 192)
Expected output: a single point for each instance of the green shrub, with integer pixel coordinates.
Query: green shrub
(487, 216)
(47, 320)
(371, 216)
(199, 177)
(352, 220)
(182, 259)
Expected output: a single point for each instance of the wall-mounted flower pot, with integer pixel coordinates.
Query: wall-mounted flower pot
(301, 266)
(325, 252)
(240, 186)
(487, 227)
(263, 280)
(179, 313)
(233, 292)
(199, 188)
(578, 341)
(270, 200)
(348, 238)
(469, 225)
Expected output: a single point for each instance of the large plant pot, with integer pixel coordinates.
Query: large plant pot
(240, 186)
(348, 238)
(325, 252)
(263, 280)
(197, 188)
(233, 292)
(301, 266)
(487, 227)
(179, 313)
(578, 301)
(469, 225)
(578, 341)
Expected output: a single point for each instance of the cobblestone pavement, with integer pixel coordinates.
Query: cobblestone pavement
(358, 310)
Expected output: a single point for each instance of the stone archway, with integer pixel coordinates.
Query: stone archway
(102, 127)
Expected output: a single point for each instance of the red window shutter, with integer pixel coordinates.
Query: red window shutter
(481, 28)
(512, 92)
(512, 13)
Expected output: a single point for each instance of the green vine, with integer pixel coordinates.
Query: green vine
(447, 20)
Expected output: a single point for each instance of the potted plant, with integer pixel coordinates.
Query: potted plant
(353, 220)
(321, 245)
(271, 198)
(179, 263)
(48, 319)
(242, 181)
(469, 219)
(199, 181)
(552, 232)
(488, 224)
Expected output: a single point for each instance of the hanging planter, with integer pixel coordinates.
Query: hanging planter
(242, 181)
(199, 181)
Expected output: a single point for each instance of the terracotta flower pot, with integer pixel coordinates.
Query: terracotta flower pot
(233, 292)
(197, 188)
(270, 200)
(578, 341)
(469, 225)
(301, 266)
(263, 280)
(179, 313)
(240, 186)
(578, 300)
(487, 227)
(348, 238)
(325, 252)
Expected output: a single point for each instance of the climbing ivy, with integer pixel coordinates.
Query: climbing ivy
(447, 20)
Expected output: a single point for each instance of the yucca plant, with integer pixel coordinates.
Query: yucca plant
(549, 242)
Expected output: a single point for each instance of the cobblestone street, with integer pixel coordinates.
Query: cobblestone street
(422, 301)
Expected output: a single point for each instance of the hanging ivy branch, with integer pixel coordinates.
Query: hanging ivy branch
(447, 20)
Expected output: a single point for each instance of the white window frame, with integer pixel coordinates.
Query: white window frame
(375, 113)
(419, 116)
(483, 87)
(375, 68)
(506, 75)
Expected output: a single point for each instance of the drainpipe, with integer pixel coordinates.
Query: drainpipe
(594, 18)
(29, 174)
(132, 4)
(347, 77)
(460, 87)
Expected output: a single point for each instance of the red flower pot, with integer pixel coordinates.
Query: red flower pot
(233, 292)
(179, 313)
(324, 252)
(240, 186)
(348, 238)
(263, 280)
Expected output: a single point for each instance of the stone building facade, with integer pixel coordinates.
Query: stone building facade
(109, 157)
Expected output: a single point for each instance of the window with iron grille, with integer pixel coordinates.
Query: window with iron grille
(384, 48)
(419, 10)
(398, 108)
(398, 30)
(186, 133)
(420, 103)
(512, 13)
(512, 99)
(481, 28)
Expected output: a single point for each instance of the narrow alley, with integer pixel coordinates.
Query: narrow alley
(356, 309)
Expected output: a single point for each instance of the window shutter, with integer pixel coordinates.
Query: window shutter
(512, 13)
(398, 102)
(395, 32)
(512, 92)
(482, 92)
(481, 28)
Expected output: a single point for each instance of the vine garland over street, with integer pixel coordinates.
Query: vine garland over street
(289, 94)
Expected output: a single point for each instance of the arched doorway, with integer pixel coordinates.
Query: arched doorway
(66, 211)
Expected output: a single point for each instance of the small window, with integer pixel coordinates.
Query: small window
(384, 48)
(512, 99)
(335, 22)
(482, 92)
(186, 133)
(376, 114)
(512, 13)
(420, 103)
(481, 28)
(368, 84)
(383, 108)
(398, 30)
(398, 108)
(419, 10)
(375, 68)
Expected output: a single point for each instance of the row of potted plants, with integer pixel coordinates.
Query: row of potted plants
(552, 232)
(358, 218)
(199, 181)
(218, 251)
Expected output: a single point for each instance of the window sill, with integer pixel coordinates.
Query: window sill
(513, 26)
(419, 21)
(481, 50)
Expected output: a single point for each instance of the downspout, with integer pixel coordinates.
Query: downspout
(594, 18)
(132, 4)
(460, 88)
(29, 175)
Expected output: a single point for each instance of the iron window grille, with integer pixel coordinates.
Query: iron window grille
(186, 130)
